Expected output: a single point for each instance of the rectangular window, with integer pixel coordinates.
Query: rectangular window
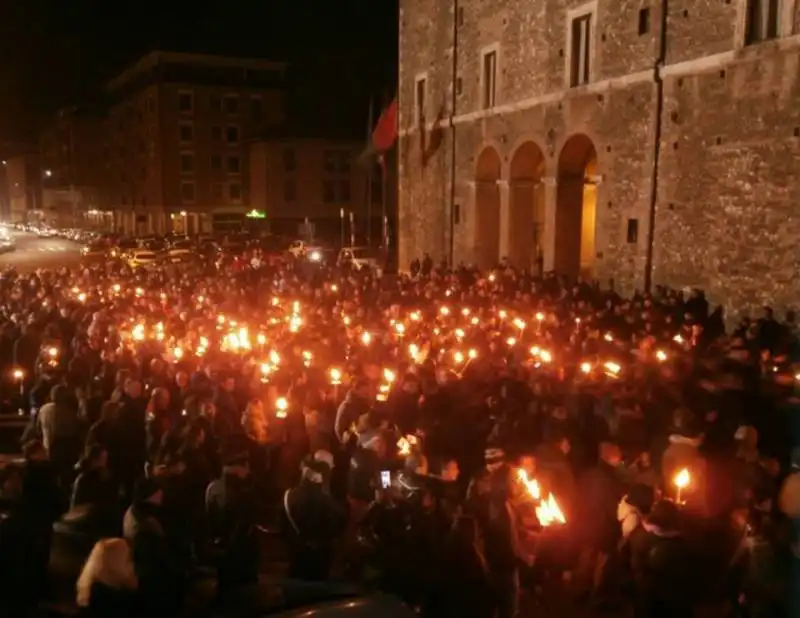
(289, 191)
(185, 102)
(216, 163)
(644, 20)
(344, 162)
(234, 192)
(344, 191)
(460, 16)
(489, 79)
(329, 161)
(257, 108)
(633, 231)
(215, 103)
(216, 133)
(420, 96)
(580, 50)
(187, 132)
(232, 134)
(456, 214)
(328, 193)
(762, 17)
(289, 160)
(187, 163)
(234, 165)
(231, 103)
(187, 192)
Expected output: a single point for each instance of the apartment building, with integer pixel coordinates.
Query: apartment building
(645, 142)
(300, 180)
(73, 169)
(176, 140)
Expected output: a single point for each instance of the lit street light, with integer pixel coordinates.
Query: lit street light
(48, 173)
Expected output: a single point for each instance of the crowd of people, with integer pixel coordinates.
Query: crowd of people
(474, 443)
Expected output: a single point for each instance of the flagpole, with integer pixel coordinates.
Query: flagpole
(369, 173)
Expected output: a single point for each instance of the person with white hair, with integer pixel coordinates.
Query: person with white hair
(108, 581)
(312, 519)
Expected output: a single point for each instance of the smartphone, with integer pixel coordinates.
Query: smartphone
(386, 479)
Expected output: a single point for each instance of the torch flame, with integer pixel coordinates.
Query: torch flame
(531, 485)
(403, 447)
(548, 512)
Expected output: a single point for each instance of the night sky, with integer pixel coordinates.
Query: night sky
(59, 52)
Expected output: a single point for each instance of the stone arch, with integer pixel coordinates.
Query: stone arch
(576, 208)
(526, 205)
(487, 208)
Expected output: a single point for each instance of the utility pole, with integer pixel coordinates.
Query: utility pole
(453, 99)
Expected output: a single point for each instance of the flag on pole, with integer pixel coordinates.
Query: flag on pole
(383, 135)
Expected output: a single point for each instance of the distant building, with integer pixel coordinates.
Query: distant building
(319, 181)
(606, 139)
(177, 129)
(73, 169)
(24, 181)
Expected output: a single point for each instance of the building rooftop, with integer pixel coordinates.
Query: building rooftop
(157, 58)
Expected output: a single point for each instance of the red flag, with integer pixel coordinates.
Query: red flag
(385, 132)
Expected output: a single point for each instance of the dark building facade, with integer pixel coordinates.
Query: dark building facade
(646, 142)
(177, 134)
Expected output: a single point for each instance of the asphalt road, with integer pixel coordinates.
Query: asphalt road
(33, 252)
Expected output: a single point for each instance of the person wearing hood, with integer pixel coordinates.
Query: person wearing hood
(355, 405)
(313, 519)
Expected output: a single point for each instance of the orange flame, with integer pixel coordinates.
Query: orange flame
(531, 485)
(549, 513)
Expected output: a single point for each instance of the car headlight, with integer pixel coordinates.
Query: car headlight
(315, 256)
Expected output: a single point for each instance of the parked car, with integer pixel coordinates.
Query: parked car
(358, 258)
(94, 252)
(141, 259)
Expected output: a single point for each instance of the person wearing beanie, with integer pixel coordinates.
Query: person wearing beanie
(312, 520)
(488, 499)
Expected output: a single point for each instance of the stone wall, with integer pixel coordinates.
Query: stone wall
(727, 214)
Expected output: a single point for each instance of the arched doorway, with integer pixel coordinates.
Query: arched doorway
(526, 207)
(576, 210)
(487, 208)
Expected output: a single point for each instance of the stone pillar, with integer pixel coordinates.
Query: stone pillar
(505, 218)
(549, 231)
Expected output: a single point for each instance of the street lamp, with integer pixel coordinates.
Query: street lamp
(48, 173)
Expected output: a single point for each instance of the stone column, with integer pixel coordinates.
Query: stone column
(505, 218)
(549, 231)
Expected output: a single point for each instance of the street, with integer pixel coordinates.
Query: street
(33, 252)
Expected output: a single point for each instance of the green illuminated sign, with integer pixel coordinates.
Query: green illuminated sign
(256, 214)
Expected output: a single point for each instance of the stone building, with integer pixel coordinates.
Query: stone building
(652, 142)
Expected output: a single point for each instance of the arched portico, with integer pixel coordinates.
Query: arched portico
(526, 205)
(576, 208)
(487, 208)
